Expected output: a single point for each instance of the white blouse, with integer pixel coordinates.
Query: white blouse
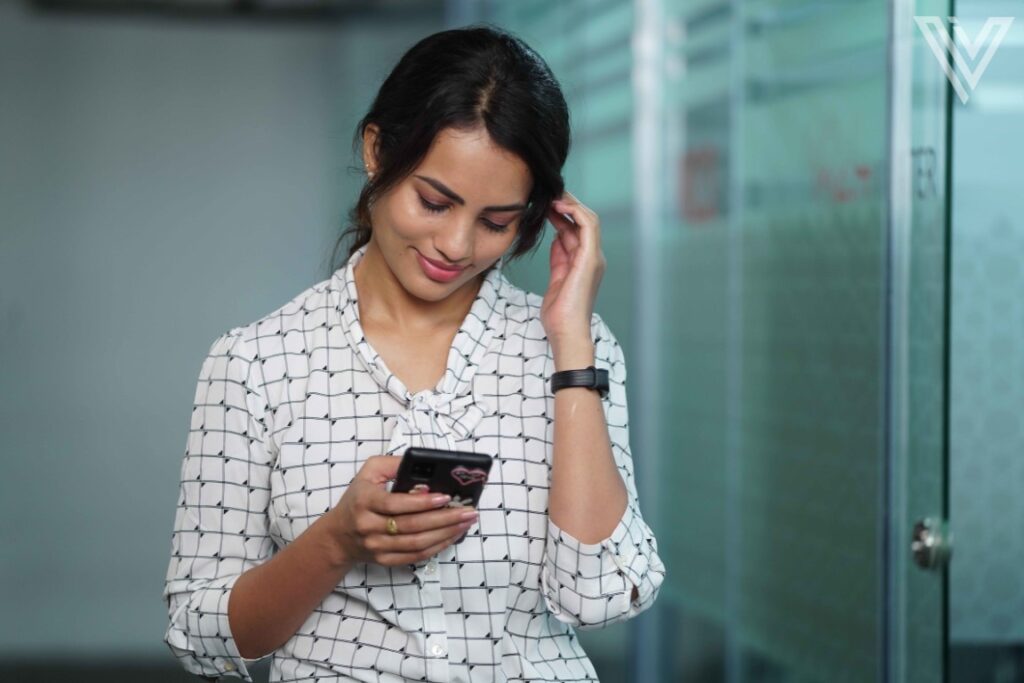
(288, 408)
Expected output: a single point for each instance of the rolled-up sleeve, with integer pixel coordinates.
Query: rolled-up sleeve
(590, 585)
(220, 524)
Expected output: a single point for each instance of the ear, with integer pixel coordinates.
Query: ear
(370, 147)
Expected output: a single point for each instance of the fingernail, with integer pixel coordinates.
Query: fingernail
(469, 514)
(440, 500)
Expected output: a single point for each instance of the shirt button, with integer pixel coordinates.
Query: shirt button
(437, 650)
(229, 666)
(431, 567)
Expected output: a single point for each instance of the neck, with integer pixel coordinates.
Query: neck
(384, 301)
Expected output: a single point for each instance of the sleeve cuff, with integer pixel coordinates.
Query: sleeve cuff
(621, 551)
(211, 650)
(577, 572)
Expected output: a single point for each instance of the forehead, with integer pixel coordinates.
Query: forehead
(478, 170)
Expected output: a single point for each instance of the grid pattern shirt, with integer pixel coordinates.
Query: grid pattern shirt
(286, 411)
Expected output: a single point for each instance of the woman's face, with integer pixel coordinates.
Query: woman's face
(459, 208)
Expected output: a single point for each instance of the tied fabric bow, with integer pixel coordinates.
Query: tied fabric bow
(437, 421)
(434, 421)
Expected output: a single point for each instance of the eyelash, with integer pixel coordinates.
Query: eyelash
(436, 208)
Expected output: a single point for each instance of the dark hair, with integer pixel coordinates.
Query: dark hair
(465, 78)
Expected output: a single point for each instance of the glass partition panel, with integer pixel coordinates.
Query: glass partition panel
(919, 214)
(786, 221)
(986, 451)
(776, 376)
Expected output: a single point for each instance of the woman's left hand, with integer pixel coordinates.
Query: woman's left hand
(577, 265)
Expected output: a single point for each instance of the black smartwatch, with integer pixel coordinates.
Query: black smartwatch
(591, 378)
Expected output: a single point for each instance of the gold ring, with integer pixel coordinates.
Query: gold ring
(392, 526)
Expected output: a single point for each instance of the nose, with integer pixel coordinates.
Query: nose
(455, 240)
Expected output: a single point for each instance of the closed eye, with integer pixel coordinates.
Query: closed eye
(439, 208)
(436, 208)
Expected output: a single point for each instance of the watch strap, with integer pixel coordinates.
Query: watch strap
(590, 378)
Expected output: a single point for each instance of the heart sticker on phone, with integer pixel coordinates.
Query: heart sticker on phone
(466, 476)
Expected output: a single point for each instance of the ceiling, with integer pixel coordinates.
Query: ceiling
(314, 10)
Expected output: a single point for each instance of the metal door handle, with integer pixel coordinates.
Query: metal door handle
(932, 544)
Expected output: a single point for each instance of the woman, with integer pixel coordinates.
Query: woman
(287, 541)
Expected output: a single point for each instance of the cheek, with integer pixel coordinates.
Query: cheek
(398, 219)
(508, 239)
(492, 249)
(407, 221)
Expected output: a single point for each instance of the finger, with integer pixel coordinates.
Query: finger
(570, 215)
(567, 232)
(560, 217)
(559, 257)
(570, 199)
(415, 556)
(436, 519)
(585, 221)
(569, 242)
(414, 543)
(390, 504)
(394, 559)
(416, 522)
(565, 217)
(379, 468)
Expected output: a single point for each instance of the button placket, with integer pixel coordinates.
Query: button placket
(435, 625)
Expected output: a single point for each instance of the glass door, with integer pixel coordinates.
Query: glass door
(986, 369)
(958, 361)
(917, 388)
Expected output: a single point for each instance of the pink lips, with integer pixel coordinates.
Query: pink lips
(436, 272)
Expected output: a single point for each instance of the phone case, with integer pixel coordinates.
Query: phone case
(460, 474)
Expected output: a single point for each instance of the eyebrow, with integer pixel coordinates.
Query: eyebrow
(443, 189)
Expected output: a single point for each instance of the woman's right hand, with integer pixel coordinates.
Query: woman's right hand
(357, 525)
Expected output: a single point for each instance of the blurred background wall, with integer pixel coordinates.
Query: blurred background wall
(814, 270)
(163, 177)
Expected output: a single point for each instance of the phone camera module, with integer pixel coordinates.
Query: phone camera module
(423, 470)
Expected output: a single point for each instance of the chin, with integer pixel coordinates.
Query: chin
(432, 291)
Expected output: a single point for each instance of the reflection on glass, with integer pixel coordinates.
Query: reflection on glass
(986, 466)
(775, 315)
(776, 249)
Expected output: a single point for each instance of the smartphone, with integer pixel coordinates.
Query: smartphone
(460, 474)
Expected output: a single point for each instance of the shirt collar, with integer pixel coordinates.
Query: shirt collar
(484, 322)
